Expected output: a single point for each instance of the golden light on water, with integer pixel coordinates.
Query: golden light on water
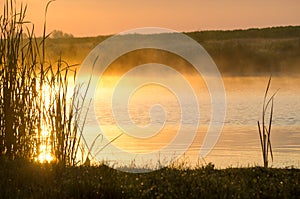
(45, 150)
(139, 108)
(45, 155)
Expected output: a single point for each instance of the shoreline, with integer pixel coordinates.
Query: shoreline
(24, 179)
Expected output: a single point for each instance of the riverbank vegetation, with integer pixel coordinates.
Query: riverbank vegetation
(40, 115)
(21, 179)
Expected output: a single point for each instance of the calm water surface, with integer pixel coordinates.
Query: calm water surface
(238, 144)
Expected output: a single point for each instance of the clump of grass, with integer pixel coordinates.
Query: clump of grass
(18, 93)
(264, 129)
(34, 95)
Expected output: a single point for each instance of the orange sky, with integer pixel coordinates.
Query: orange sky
(98, 17)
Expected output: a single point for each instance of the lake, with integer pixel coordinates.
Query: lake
(238, 144)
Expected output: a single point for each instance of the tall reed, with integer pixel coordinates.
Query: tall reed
(17, 91)
(264, 129)
(35, 96)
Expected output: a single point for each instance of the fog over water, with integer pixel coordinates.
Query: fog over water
(238, 144)
(152, 105)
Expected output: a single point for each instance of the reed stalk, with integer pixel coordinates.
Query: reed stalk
(39, 111)
(264, 128)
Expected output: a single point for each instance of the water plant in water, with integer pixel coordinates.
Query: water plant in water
(264, 128)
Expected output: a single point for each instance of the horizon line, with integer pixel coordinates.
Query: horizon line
(175, 31)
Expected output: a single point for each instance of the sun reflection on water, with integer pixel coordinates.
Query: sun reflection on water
(45, 150)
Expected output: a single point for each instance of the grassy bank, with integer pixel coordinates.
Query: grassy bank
(21, 179)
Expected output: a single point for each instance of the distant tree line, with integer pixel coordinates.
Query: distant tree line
(60, 34)
(262, 51)
(267, 33)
